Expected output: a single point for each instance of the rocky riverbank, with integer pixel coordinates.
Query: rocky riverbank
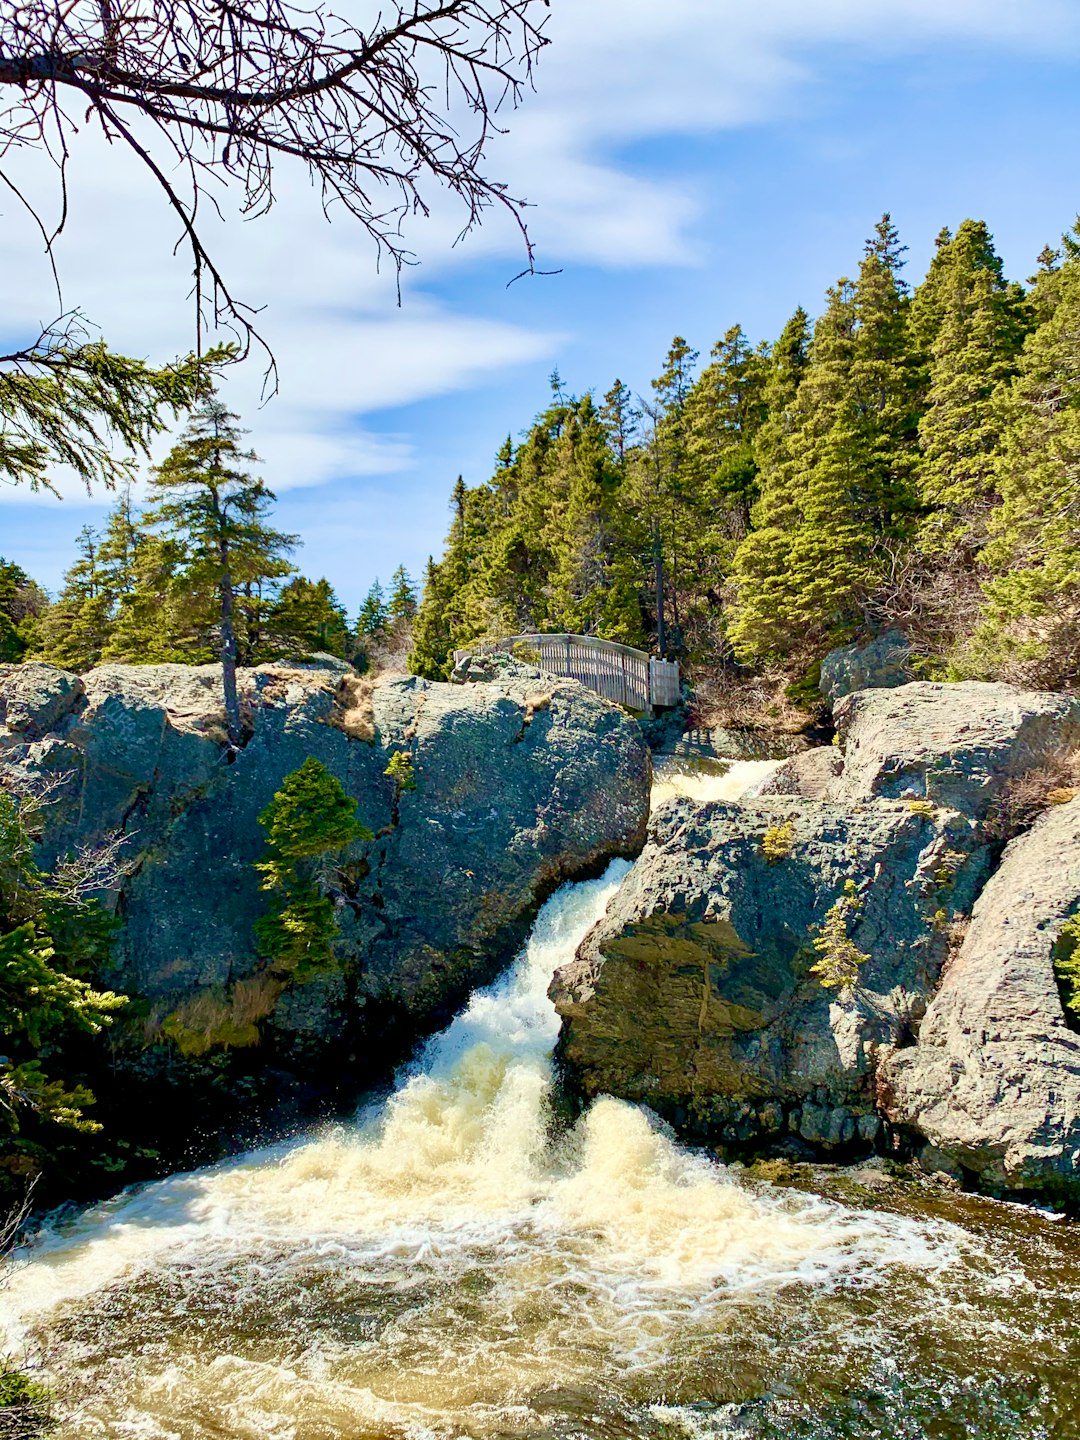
(856, 959)
(505, 790)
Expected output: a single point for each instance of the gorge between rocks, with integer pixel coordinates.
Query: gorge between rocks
(459, 1262)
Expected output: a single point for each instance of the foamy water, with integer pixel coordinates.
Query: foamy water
(448, 1264)
(677, 778)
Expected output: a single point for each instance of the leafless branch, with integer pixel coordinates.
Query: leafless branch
(204, 91)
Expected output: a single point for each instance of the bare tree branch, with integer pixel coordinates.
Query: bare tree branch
(232, 88)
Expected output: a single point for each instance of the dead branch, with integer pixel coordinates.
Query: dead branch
(209, 93)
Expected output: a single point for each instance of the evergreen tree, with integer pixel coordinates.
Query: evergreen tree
(1034, 552)
(843, 492)
(75, 630)
(373, 614)
(972, 323)
(432, 641)
(307, 617)
(205, 500)
(402, 603)
(309, 823)
(22, 604)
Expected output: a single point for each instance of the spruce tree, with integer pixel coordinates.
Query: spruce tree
(1034, 552)
(972, 323)
(843, 494)
(373, 614)
(205, 499)
(402, 602)
(75, 629)
(306, 618)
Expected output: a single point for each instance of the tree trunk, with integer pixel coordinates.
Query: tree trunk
(658, 561)
(228, 650)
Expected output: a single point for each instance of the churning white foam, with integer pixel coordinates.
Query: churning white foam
(676, 778)
(510, 1253)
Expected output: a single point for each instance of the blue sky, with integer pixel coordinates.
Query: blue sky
(725, 168)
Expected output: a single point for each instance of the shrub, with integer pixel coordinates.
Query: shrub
(309, 822)
(1024, 797)
(1066, 961)
(840, 958)
(924, 808)
(400, 770)
(778, 841)
(25, 1406)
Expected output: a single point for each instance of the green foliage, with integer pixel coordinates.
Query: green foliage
(73, 403)
(309, 823)
(839, 958)
(403, 603)
(926, 809)
(777, 842)
(46, 937)
(400, 770)
(373, 616)
(307, 617)
(22, 602)
(1066, 962)
(25, 1406)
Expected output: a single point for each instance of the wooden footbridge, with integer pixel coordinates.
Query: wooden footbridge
(618, 672)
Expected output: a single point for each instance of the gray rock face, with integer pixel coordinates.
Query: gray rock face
(955, 745)
(694, 994)
(811, 774)
(994, 1082)
(519, 784)
(881, 664)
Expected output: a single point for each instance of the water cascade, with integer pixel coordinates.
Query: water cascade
(459, 1264)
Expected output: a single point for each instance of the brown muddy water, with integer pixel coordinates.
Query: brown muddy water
(453, 1265)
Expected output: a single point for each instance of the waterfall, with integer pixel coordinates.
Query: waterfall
(441, 1266)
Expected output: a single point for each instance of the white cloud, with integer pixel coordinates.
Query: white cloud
(617, 71)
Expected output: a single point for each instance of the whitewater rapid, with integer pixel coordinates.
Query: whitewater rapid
(433, 1268)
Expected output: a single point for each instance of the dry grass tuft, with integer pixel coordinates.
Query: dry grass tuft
(212, 1020)
(1026, 796)
(354, 712)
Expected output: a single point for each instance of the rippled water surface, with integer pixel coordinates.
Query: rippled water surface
(455, 1265)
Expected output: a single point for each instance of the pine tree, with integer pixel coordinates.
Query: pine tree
(75, 629)
(206, 500)
(22, 605)
(843, 492)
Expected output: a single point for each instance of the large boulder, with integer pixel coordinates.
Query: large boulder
(518, 784)
(993, 1084)
(881, 663)
(954, 745)
(695, 994)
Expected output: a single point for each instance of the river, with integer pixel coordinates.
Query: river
(456, 1264)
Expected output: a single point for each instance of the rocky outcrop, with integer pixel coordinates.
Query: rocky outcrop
(810, 774)
(993, 1085)
(695, 993)
(954, 745)
(518, 784)
(881, 663)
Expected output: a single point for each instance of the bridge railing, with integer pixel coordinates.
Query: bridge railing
(620, 673)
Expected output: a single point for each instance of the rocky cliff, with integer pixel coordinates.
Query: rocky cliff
(516, 785)
(770, 972)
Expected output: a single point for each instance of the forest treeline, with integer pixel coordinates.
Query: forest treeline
(910, 459)
(147, 586)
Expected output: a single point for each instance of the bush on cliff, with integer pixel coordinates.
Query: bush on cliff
(51, 936)
(309, 823)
